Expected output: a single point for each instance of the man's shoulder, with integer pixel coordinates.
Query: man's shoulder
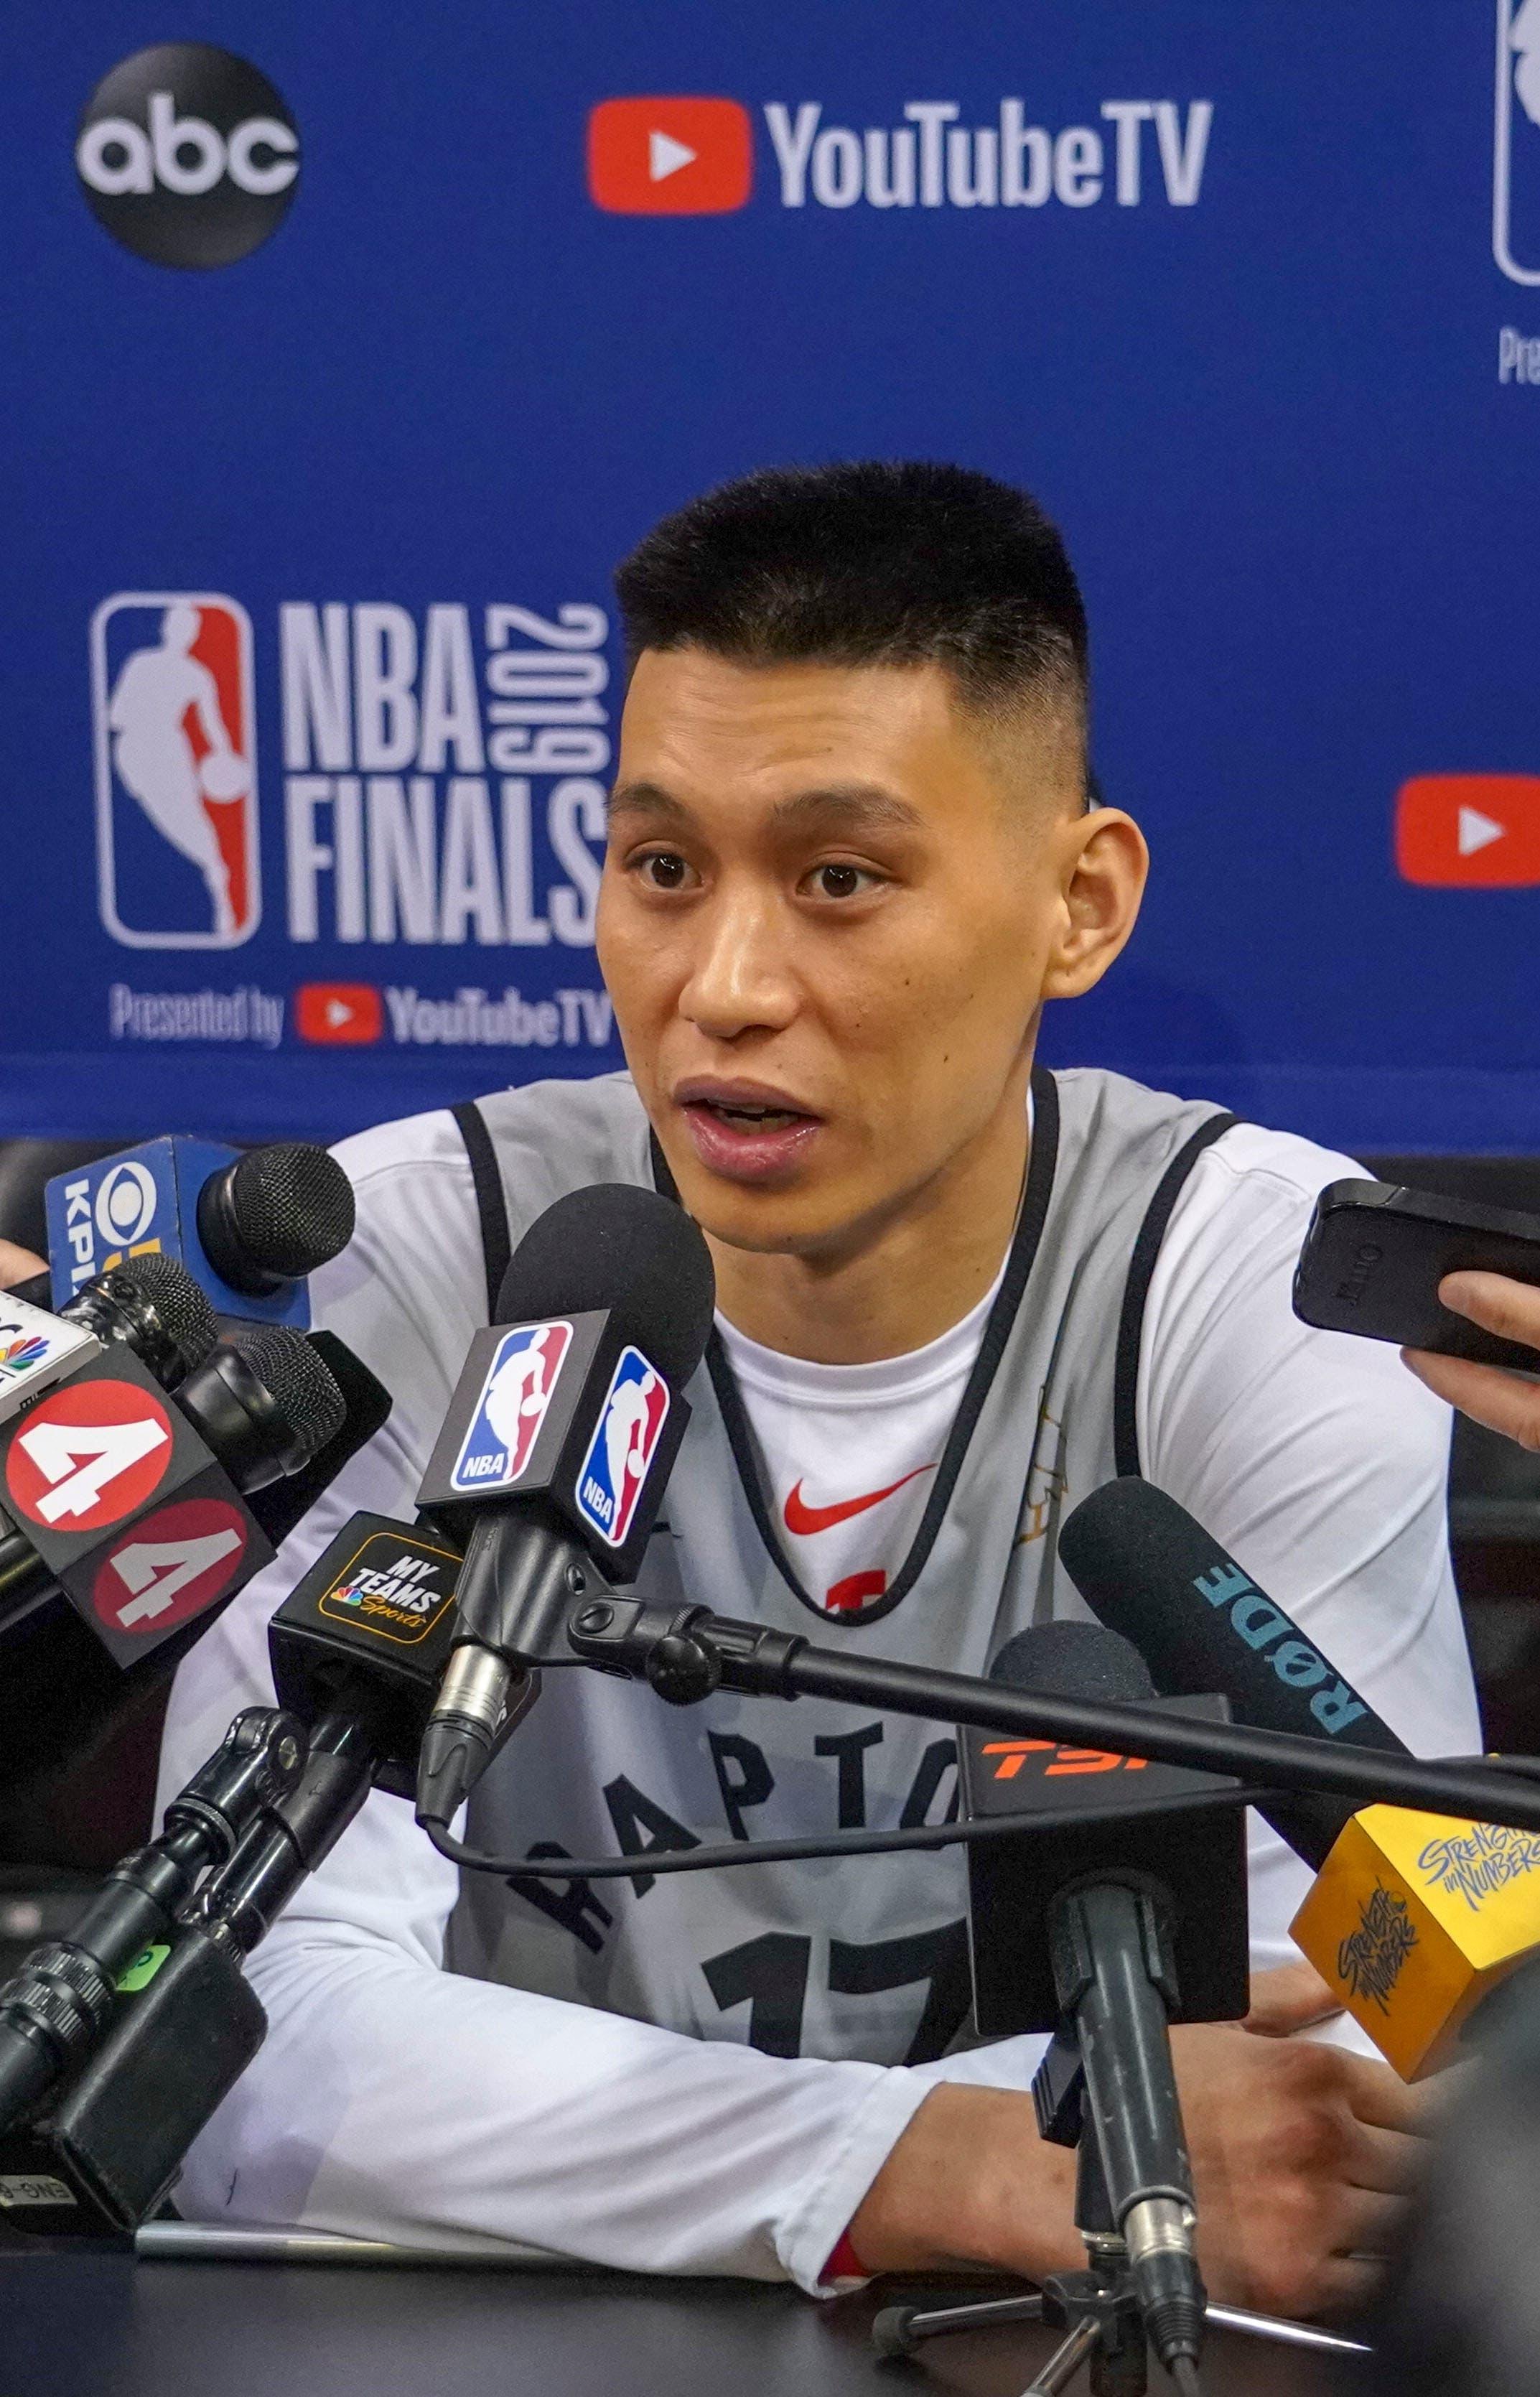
(1254, 1167)
(410, 1289)
(1248, 1167)
(591, 1119)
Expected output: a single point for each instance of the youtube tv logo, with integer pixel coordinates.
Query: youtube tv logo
(1469, 832)
(670, 157)
(342, 1014)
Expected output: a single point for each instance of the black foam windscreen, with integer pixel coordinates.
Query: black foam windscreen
(183, 1313)
(1147, 1569)
(291, 1207)
(615, 1246)
(297, 1379)
(368, 1405)
(1074, 1660)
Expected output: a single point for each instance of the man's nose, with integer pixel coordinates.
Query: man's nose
(741, 978)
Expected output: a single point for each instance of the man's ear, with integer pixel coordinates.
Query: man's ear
(1101, 882)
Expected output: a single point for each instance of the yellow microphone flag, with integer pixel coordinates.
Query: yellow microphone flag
(1413, 1918)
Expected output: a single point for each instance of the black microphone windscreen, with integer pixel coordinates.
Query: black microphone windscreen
(290, 1207)
(615, 1246)
(302, 1387)
(1074, 1660)
(1147, 1569)
(367, 1403)
(185, 1315)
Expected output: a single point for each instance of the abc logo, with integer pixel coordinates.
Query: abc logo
(187, 155)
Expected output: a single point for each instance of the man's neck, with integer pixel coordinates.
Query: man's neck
(901, 1283)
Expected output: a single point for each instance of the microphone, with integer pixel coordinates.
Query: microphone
(152, 1305)
(248, 1227)
(557, 1448)
(1413, 1917)
(1146, 1568)
(1123, 1923)
(359, 1650)
(64, 1681)
(129, 1500)
(65, 1993)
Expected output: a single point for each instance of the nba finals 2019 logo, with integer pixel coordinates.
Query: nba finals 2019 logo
(175, 769)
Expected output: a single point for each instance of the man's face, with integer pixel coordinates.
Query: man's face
(827, 911)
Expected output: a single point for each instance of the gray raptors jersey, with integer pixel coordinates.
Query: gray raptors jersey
(865, 1956)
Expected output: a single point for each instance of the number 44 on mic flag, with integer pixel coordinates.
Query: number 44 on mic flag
(125, 1506)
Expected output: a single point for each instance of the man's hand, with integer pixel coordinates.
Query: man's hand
(1301, 2153)
(18, 1265)
(1503, 1401)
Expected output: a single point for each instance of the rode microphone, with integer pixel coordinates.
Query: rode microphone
(556, 1447)
(1413, 1917)
(248, 1227)
(1147, 1569)
(1123, 1922)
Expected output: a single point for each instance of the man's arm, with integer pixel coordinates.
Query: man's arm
(394, 2098)
(1316, 1461)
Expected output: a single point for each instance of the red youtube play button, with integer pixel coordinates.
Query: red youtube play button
(1473, 832)
(343, 1014)
(678, 157)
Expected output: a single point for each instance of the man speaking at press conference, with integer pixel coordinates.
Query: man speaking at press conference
(851, 857)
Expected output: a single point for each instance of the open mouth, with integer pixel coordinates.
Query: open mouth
(738, 1118)
(748, 1134)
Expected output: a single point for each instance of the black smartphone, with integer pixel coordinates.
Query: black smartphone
(1375, 1253)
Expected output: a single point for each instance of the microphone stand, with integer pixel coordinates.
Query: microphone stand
(686, 1653)
(1128, 2138)
(1099, 2309)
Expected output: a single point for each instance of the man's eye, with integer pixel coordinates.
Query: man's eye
(841, 881)
(664, 869)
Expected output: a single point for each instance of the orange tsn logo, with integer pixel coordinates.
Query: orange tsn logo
(1013, 1754)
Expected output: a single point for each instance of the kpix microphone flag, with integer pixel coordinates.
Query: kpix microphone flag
(248, 1227)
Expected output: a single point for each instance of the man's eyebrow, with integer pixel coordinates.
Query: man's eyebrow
(855, 805)
(645, 799)
(842, 806)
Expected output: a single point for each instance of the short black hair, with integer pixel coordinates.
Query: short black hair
(871, 562)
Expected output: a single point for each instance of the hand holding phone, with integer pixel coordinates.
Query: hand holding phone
(1376, 1255)
(1505, 1403)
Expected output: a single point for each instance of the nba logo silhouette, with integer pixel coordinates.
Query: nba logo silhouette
(515, 1399)
(175, 769)
(613, 1474)
(1515, 142)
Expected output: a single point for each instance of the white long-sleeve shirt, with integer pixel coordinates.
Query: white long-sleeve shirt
(395, 2098)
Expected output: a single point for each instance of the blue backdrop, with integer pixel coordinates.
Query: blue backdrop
(1226, 287)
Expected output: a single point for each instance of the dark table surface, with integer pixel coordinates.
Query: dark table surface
(95, 2325)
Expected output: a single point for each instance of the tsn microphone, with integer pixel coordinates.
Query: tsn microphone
(248, 1227)
(1121, 1923)
(557, 1445)
(1413, 1918)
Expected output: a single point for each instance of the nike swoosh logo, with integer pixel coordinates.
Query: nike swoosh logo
(804, 1519)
